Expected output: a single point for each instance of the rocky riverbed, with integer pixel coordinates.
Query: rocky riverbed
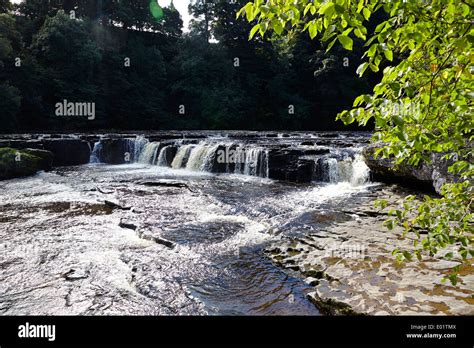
(156, 225)
(348, 262)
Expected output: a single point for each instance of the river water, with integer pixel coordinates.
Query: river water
(63, 251)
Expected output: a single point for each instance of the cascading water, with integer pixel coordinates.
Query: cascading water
(200, 157)
(136, 146)
(149, 153)
(360, 171)
(96, 153)
(182, 156)
(163, 159)
(348, 169)
(224, 156)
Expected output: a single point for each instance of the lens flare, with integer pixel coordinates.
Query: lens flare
(156, 10)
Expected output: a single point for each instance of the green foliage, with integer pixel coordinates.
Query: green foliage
(81, 58)
(5, 6)
(423, 103)
(10, 97)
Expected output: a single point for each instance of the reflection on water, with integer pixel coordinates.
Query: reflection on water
(63, 251)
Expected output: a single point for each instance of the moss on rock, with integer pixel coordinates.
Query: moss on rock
(20, 163)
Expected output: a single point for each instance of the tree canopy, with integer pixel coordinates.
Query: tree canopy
(141, 70)
(422, 105)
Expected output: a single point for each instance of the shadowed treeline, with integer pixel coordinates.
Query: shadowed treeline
(143, 72)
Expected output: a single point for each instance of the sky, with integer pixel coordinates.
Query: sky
(181, 6)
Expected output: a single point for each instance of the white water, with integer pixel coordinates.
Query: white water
(162, 160)
(342, 166)
(353, 171)
(149, 153)
(182, 153)
(95, 154)
(201, 156)
(136, 146)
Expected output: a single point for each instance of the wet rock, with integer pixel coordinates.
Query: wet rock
(352, 269)
(165, 183)
(304, 170)
(116, 205)
(20, 163)
(426, 175)
(68, 152)
(328, 135)
(147, 235)
(329, 306)
(168, 153)
(285, 164)
(113, 151)
(128, 225)
(22, 144)
(222, 166)
(317, 152)
(307, 143)
(46, 157)
(164, 242)
(76, 274)
(105, 191)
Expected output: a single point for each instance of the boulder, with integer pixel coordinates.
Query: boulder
(46, 157)
(112, 151)
(286, 164)
(68, 152)
(425, 176)
(20, 163)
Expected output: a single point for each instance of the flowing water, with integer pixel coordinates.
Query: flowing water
(65, 253)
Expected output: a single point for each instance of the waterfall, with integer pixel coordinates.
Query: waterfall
(96, 153)
(240, 158)
(182, 156)
(360, 171)
(149, 153)
(333, 170)
(200, 157)
(223, 156)
(163, 159)
(135, 147)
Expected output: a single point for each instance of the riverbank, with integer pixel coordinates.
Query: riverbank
(349, 263)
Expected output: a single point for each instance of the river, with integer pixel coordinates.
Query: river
(167, 233)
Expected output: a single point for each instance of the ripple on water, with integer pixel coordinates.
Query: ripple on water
(217, 267)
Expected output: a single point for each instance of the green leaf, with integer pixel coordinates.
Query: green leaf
(366, 12)
(254, 30)
(362, 68)
(277, 26)
(313, 31)
(388, 54)
(345, 41)
(327, 9)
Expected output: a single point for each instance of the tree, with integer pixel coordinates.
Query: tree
(10, 42)
(64, 46)
(423, 104)
(204, 11)
(5, 6)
